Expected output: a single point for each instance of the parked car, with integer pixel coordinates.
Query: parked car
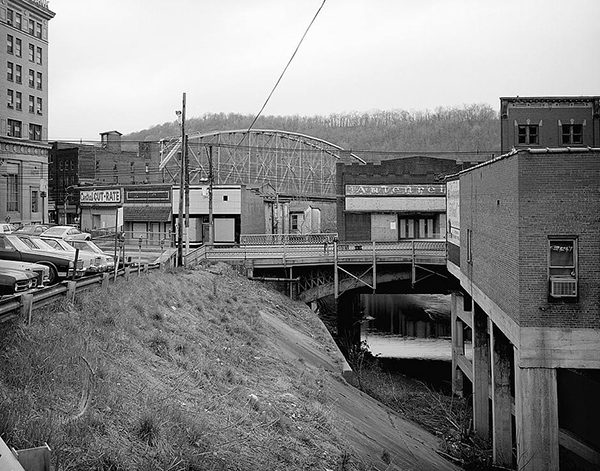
(97, 264)
(67, 232)
(42, 271)
(34, 229)
(7, 228)
(90, 246)
(20, 247)
(87, 260)
(14, 281)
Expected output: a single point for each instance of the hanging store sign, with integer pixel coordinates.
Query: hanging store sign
(396, 190)
(101, 196)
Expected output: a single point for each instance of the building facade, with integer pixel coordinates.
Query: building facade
(395, 199)
(24, 115)
(524, 245)
(537, 122)
(109, 162)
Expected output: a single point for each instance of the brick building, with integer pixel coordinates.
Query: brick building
(24, 114)
(111, 162)
(534, 122)
(524, 244)
(394, 199)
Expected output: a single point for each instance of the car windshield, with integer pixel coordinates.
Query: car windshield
(55, 244)
(55, 231)
(41, 244)
(85, 245)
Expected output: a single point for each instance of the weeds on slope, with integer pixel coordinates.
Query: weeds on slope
(447, 417)
(169, 371)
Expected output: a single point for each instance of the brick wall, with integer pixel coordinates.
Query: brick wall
(512, 206)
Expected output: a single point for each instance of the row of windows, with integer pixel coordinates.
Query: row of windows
(529, 134)
(14, 128)
(14, 46)
(15, 101)
(14, 73)
(15, 19)
(12, 195)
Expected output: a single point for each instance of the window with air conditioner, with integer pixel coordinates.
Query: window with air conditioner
(562, 267)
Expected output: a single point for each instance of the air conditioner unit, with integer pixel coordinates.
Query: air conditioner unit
(563, 287)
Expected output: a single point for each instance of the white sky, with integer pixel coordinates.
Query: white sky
(124, 64)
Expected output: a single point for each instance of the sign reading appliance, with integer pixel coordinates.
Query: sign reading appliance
(396, 190)
(101, 196)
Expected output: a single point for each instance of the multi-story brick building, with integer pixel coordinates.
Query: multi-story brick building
(24, 114)
(111, 162)
(534, 122)
(524, 243)
(394, 199)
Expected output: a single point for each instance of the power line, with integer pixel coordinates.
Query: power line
(285, 69)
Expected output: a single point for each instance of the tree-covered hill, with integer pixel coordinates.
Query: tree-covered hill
(470, 128)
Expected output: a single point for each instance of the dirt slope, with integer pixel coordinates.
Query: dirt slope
(377, 434)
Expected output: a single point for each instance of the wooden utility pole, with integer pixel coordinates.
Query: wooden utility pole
(181, 185)
(211, 229)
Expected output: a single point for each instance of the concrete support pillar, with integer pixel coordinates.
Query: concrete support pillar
(348, 316)
(71, 287)
(536, 413)
(458, 345)
(502, 437)
(481, 374)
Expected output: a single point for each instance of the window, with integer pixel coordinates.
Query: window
(572, 133)
(34, 201)
(38, 80)
(32, 78)
(31, 53)
(39, 106)
(35, 132)
(32, 27)
(18, 47)
(10, 71)
(225, 197)
(528, 134)
(294, 222)
(14, 128)
(31, 104)
(9, 17)
(18, 101)
(10, 98)
(38, 30)
(562, 266)
(38, 55)
(18, 73)
(18, 21)
(10, 44)
(12, 188)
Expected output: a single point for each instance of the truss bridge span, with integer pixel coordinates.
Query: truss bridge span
(291, 164)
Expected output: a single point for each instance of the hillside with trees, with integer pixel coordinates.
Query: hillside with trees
(470, 128)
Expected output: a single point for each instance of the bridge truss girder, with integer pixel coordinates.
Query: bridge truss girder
(291, 164)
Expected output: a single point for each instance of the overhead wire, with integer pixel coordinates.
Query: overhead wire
(283, 72)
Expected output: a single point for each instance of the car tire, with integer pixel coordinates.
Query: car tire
(53, 279)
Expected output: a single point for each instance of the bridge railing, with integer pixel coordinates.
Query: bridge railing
(408, 251)
(287, 239)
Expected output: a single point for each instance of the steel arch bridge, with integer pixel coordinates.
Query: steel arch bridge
(292, 164)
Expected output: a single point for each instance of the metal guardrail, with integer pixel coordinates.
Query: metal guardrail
(23, 304)
(287, 239)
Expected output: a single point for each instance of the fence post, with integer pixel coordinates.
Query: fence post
(71, 286)
(27, 306)
(105, 280)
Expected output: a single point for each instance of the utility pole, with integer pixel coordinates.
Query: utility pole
(211, 236)
(181, 185)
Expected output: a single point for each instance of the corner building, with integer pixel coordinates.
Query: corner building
(24, 113)
(524, 244)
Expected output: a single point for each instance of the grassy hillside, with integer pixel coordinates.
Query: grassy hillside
(198, 370)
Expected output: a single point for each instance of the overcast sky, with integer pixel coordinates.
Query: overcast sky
(124, 64)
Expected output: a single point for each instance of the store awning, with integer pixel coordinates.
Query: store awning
(147, 213)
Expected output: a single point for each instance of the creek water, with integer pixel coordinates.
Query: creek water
(410, 334)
